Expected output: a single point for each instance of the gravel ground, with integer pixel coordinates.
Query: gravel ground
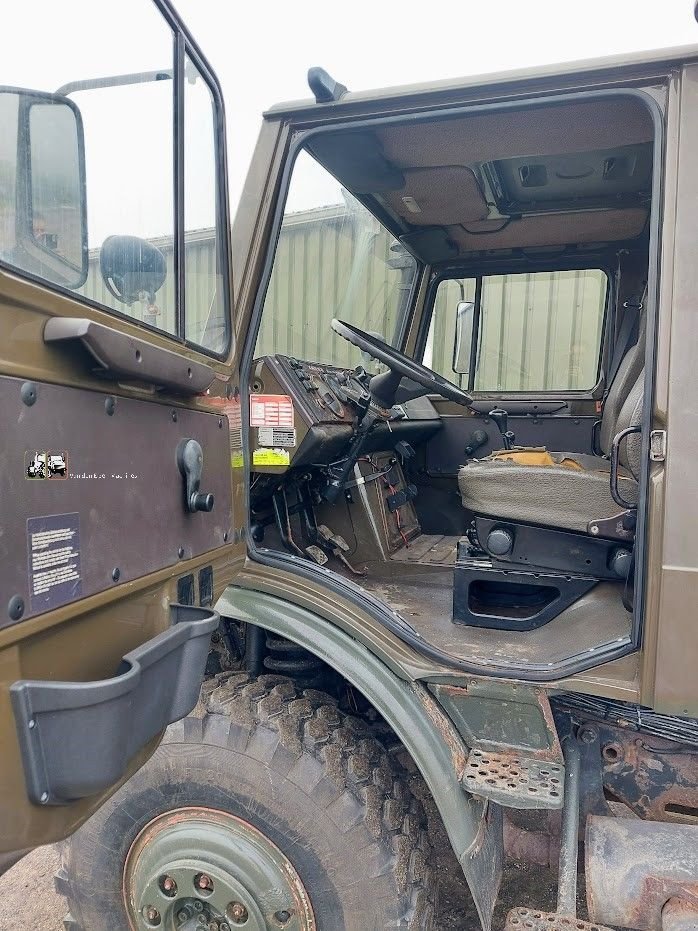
(28, 901)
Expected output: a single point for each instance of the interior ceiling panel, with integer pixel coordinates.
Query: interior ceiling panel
(548, 130)
(439, 196)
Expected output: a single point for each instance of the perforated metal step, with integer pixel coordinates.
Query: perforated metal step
(515, 780)
(527, 919)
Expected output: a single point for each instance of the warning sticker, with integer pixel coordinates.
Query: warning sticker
(276, 436)
(53, 545)
(271, 410)
(271, 457)
(234, 412)
(236, 459)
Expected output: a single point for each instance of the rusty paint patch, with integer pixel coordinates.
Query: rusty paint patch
(446, 729)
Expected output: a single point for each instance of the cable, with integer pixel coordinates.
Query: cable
(499, 229)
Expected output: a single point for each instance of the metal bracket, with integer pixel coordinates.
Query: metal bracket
(658, 445)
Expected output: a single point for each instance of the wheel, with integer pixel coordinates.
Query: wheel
(275, 810)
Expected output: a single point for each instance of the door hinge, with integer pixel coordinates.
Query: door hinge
(658, 445)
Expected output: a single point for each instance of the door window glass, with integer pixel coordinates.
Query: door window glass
(121, 84)
(205, 308)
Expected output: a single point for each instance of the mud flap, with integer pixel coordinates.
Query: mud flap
(482, 865)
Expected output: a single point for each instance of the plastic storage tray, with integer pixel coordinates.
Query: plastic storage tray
(77, 738)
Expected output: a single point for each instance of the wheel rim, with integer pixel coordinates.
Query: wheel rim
(197, 869)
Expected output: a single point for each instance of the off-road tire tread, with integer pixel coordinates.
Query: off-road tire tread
(272, 717)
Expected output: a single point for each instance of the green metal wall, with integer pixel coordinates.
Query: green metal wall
(539, 331)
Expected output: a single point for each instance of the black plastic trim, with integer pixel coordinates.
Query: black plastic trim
(77, 738)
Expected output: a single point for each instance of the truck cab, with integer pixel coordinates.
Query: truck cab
(398, 463)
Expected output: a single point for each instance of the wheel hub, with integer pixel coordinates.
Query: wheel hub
(197, 869)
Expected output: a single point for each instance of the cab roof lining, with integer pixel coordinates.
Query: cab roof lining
(424, 178)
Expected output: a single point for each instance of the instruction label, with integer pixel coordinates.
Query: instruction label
(276, 436)
(53, 544)
(271, 457)
(271, 410)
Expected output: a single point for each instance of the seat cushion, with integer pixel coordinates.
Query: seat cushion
(571, 491)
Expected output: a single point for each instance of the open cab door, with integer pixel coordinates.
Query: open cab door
(117, 384)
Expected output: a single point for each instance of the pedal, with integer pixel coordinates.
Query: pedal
(316, 554)
(527, 919)
(334, 538)
(514, 779)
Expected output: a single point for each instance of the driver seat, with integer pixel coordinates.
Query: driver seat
(566, 490)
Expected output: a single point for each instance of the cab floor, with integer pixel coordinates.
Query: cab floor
(421, 590)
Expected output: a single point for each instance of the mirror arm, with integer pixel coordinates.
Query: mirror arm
(116, 80)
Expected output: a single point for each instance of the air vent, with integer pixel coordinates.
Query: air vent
(618, 167)
(533, 175)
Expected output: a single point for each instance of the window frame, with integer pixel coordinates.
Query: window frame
(454, 272)
(183, 45)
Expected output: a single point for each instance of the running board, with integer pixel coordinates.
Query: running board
(514, 779)
(527, 919)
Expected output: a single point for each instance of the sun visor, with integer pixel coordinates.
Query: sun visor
(443, 196)
(357, 161)
(430, 245)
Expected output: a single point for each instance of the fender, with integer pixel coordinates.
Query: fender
(474, 828)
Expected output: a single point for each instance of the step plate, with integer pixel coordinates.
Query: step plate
(526, 919)
(515, 780)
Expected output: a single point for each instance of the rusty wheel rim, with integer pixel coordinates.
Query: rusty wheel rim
(198, 869)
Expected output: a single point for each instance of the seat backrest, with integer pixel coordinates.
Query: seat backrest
(630, 453)
(626, 377)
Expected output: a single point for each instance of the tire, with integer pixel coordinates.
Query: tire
(314, 781)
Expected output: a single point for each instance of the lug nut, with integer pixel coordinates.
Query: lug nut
(168, 886)
(237, 913)
(151, 914)
(203, 882)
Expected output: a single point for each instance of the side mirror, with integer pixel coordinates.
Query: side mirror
(43, 218)
(462, 347)
(132, 268)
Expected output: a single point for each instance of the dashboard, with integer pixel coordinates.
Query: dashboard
(314, 409)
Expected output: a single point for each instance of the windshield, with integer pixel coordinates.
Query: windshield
(333, 259)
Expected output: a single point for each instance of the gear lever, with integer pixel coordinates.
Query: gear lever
(500, 417)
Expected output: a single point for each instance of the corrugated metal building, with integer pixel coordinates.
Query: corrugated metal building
(538, 331)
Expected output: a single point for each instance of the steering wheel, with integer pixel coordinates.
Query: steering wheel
(383, 387)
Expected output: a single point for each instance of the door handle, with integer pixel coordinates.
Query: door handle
(190, 459)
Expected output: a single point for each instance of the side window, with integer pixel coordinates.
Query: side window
(539, 331)
(111, 212)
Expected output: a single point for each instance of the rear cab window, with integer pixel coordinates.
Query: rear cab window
(533, 332)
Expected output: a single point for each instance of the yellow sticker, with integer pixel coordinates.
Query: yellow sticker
(236, 460)
(271, 457)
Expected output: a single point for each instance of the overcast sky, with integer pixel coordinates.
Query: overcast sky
(261, 51)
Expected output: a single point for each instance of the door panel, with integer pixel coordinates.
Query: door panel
(118, 480)
(114, 356)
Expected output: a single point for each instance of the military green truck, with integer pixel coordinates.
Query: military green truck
(401, 465)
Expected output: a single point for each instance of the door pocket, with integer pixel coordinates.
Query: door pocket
(77, 738)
